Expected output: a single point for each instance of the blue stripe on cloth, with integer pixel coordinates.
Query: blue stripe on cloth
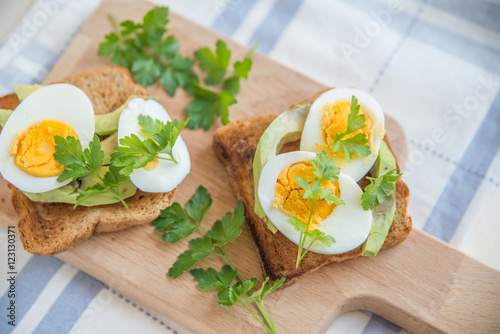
(458, 46)
(13, 75)
(462, 185)
(404, 37)
(36, 53)
(480, 12)
(232, 15)
(441, 38)
(268, 33)
(378, 325)
(30, 283)
(70, 305)
(399, 21)
(41, 55)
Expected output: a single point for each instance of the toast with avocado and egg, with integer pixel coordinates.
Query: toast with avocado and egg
(48, 222)
(249, 146)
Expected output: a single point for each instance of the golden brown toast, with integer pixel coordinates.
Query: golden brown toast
(51, 228)
(235, 145)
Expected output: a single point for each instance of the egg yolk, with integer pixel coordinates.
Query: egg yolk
(334, 122)
(288, 195)
(33, 149)
(152, 164)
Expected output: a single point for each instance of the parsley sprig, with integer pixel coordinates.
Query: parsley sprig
(144, 49)
(356, 144)
(136, 153)
(324, 169)
(181, 223)
(151, 55)
(81, 162)
(378, 189)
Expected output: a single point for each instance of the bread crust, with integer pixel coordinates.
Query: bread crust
(235, 145)
(52, 228)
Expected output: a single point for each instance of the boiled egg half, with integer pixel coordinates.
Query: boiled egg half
(27, 139)
(281, 198)
(328, 116)
(160, 175)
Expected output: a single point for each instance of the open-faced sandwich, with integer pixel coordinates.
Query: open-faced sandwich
(319, 182)
(92, 153)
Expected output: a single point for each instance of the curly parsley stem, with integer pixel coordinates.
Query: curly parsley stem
(301, 254)
(223, 254)
(267, 317)
(117, 195)
(112, 189)
(169, 159)
(257, 318)
(115, 22)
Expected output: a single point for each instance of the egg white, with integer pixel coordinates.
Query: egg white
(349, 224)
(61, 102)
(167, 175)
(312, 133)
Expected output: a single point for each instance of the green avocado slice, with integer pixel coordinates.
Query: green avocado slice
(22, 91)
(385, 212)
(69, 192)
(4, 116)
(106, 124)
(287, 127)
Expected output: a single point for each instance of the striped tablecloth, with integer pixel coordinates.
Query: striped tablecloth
(433, 65)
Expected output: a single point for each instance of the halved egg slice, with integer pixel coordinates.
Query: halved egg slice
(349, 224)
(27, 139)
(159, 175)
(328, 117)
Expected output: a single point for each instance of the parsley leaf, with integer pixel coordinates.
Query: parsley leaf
(238, 290)
(136, 153)
(207, 105)
(356, 144)
(175, 219)
(113, 177)
(215, 63)
(210, 279)
(79, 162)
(198, 205)
(168, 216)
(315, 235)
(241, 69)
(200, 249)
(324, 168)
(378, 189)
(228, 229)
(146, 70)
(178, 74)
(266, 289)
(98, 188)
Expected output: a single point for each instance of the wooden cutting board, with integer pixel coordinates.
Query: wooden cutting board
(423, 285)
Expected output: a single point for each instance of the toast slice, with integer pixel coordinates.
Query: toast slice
(235, 145)
(51, 228)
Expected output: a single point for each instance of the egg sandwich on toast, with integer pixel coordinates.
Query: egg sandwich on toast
(49, 221)
(249, 148)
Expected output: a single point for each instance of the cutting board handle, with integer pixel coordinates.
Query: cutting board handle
(427, 287)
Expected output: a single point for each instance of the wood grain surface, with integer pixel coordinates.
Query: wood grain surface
(422, 285)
